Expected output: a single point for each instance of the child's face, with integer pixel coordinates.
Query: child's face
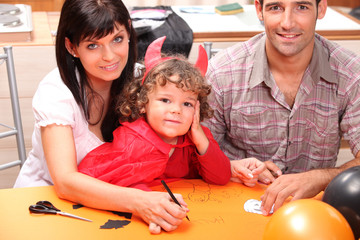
(170, 111)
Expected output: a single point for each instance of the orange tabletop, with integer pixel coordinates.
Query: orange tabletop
(216, 212)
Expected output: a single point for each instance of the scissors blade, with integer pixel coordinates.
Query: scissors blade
(73, 216)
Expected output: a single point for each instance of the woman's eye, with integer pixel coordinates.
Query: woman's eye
(118, 39)
(92, 46)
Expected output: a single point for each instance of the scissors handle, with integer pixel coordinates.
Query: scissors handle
(46, 207)
(41, 209)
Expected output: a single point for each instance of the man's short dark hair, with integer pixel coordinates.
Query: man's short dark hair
(262, 2)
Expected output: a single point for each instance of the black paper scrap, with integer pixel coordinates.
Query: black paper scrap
(77, 206)
(115, 224)
(127, 215)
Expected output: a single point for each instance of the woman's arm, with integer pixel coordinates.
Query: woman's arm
(60, 153)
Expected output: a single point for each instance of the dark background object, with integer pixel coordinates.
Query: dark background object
(179, 36)
(355, 12)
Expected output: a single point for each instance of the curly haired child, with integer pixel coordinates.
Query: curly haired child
(160, 137)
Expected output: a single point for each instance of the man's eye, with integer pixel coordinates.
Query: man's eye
(275, 8)
(302, 7)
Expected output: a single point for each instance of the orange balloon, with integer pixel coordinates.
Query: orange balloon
(307, 219)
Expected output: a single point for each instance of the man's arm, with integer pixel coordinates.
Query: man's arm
(301, 185)
(352, 163)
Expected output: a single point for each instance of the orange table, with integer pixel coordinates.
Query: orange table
(216, 212)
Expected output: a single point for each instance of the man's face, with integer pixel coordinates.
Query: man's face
(290, 25)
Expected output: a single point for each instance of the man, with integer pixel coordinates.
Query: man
(287, 97)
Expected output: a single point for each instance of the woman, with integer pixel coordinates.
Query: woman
(74, 109)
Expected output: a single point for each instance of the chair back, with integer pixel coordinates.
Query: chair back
(17, 130)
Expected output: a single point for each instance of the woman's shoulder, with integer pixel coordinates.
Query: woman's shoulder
(53, 102)
(52, 86)
(53, 78)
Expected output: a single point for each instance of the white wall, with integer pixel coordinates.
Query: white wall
(180, 2)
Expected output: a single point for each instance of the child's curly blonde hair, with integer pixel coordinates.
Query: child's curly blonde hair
(131, 103)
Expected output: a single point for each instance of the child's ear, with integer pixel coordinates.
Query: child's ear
(142, 110)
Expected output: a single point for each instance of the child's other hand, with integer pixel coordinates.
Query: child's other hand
(246, 171)
(196, 132)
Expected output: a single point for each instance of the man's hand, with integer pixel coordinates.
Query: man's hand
(299, 185)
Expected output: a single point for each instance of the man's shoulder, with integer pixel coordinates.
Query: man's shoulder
(237, 53)
(344, 64)
(338, 55)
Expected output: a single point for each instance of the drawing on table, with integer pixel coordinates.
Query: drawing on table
(214, 220)
(202, 193)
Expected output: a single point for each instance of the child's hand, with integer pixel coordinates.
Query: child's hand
(196, 132)
(246, 171)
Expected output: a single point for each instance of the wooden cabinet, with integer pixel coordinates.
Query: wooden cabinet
(36, 5)
(346, 3)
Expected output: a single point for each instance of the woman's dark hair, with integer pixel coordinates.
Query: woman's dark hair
(83, 19)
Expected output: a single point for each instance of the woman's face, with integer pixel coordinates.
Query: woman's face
(103, 59)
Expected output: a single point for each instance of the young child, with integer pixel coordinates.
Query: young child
(160, 136)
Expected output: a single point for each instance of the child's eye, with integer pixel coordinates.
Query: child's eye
(165, 100)
(188, 104)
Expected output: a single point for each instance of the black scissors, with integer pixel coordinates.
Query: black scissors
(46, 207)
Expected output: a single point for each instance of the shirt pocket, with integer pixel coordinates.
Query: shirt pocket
(258, 129)
(322, 127)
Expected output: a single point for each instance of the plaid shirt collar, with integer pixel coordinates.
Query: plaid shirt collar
(319, 66)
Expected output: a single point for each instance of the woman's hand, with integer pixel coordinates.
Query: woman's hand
(159, 211)
(246, 171)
